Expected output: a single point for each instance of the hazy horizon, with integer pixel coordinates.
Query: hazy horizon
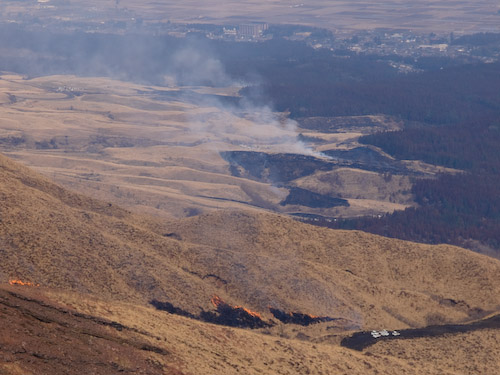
(457, 16)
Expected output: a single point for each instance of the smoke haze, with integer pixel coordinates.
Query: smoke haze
(186, 62)
(245, 124)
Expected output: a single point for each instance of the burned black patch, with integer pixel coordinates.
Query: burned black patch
(175, 236)
(168, 307)
(238, 316)
(298, 318)
(362, 340)
(234, 317)
(225, 314)
(275, 168)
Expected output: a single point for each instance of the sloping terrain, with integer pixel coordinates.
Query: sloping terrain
(59, 239)
(369, 280)
(37, 337)
(99, 267)
(46, 331)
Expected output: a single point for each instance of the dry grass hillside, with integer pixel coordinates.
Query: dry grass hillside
(60, 239)
(157, 150)
(367, 279)
(98, 267)
(56, 238)
(50, 332)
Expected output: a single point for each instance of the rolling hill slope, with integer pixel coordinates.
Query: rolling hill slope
(99, 267)
(45, 331)
(60, 239)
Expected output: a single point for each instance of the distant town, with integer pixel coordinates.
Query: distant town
(409, 44)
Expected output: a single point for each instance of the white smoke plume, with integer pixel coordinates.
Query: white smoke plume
(245, 125)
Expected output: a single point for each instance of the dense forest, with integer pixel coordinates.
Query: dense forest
(447, 96)
(452, 119)
(453, 208)
(472, 146)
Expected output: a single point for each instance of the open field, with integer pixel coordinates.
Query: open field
(156, 150)
(438, 16)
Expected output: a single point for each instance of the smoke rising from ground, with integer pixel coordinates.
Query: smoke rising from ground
(149, 59)
(191, 66)
(243, 124)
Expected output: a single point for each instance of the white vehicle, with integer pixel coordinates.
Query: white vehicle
(384, 333)
(376, 334)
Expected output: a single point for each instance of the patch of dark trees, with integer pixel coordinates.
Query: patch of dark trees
(452, 119)
(367, 159)
(303, 197)
(471, 146)
(443, 97)
(362, 340)
(452, 208)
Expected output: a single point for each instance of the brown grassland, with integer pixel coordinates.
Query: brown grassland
(97, 264)
(114, 194)
(123, 143)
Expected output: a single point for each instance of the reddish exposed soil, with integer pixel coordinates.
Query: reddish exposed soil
(38, 338)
